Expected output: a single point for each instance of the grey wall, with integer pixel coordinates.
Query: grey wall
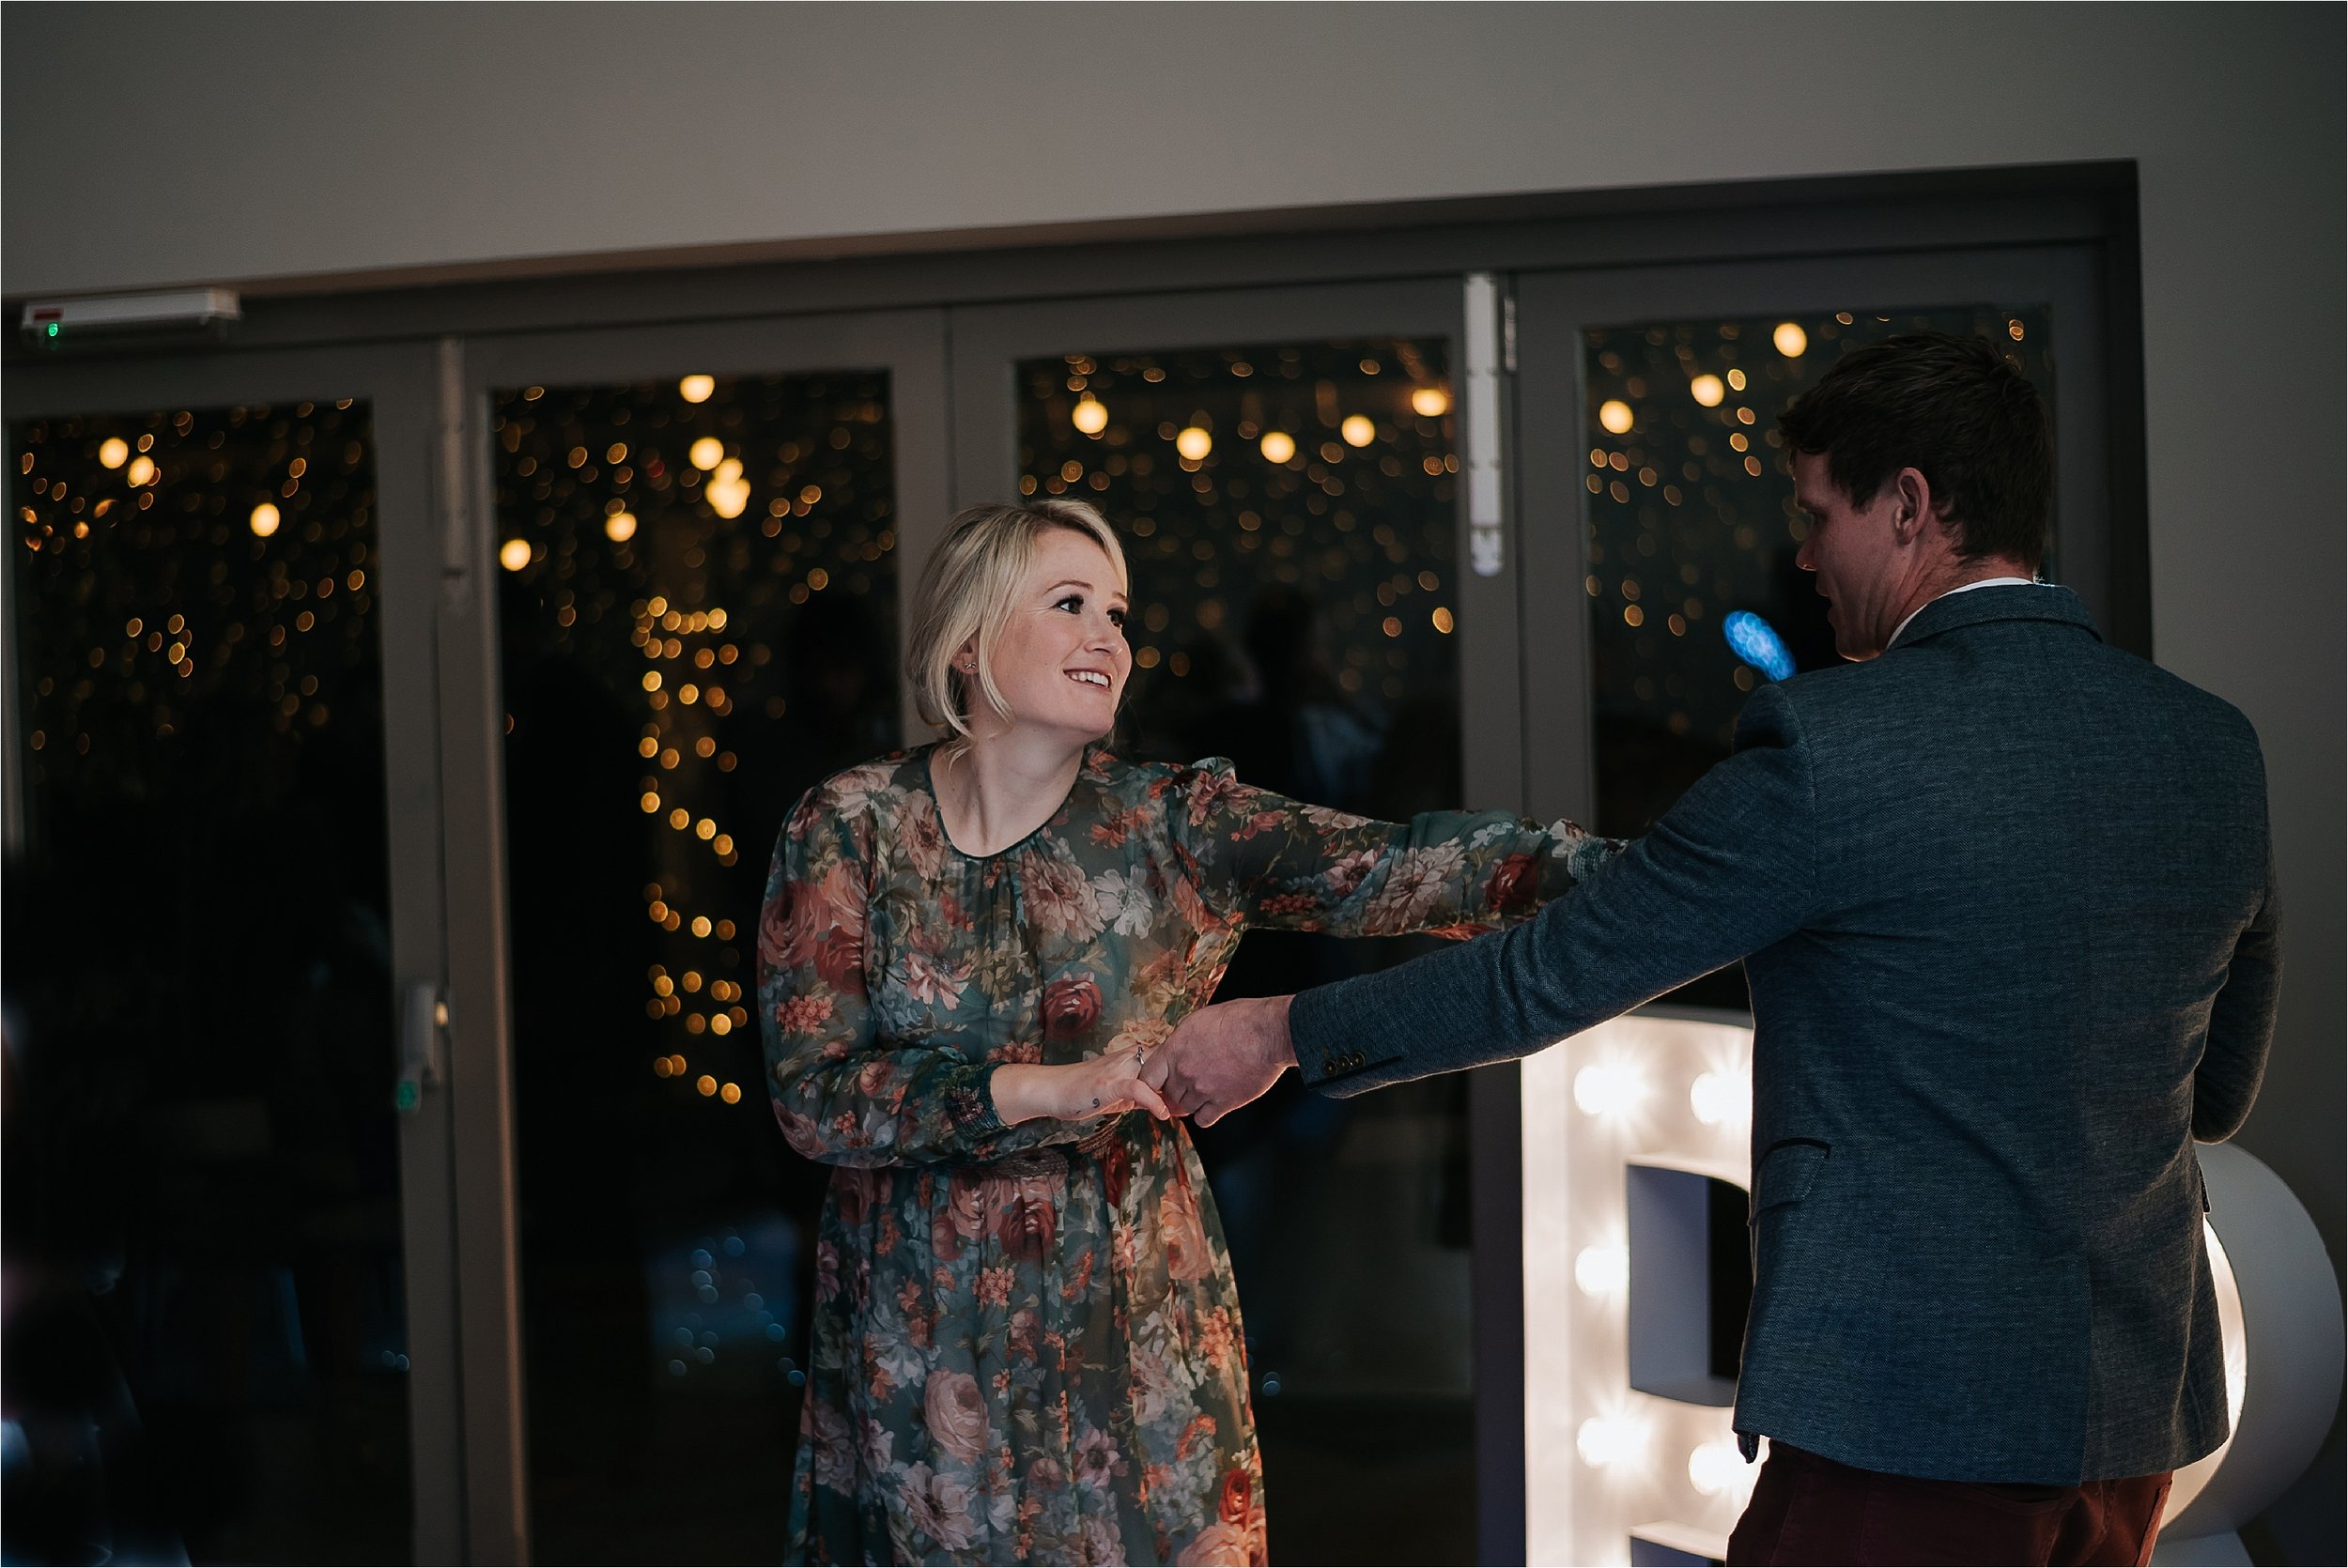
(148, 145)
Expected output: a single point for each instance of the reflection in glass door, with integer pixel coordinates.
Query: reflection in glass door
(700, 621)
(1692, 531)
(1691, 521)
(206, 1336)
(1290, 511)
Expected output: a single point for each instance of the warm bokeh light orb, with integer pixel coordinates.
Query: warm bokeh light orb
(728, 491)
(1358, 430)
(1278, 446)
(706, 454)
(620, 527)
(142, 470)
(1708, 390)
(1194, 443)
(513, 554)
(1790, 339)
(1614, 414)
(696, 388)
(114, 452)
(1430, 401)
(1092, 416)
(264, 520)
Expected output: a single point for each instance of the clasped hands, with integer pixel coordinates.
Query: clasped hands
(1217, 1060)
(1221, 1058)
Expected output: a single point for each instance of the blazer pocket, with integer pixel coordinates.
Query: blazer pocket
(1787, 1172)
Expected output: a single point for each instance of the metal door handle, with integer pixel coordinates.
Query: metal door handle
(422, 1017)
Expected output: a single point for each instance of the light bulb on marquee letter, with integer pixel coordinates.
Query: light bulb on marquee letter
(1607, 1440)
(1607, 1089)
(1713, 1467)
(1714, 1099)
(1602, 1271)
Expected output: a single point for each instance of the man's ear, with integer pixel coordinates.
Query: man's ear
(1911, 505)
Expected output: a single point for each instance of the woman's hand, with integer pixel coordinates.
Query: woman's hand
(1105, 1086)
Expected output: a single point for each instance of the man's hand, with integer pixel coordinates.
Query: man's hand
(1221, 1058)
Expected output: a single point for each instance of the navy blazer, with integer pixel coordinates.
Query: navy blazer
(2006, 902)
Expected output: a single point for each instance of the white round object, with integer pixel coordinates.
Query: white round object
(2290, 1333)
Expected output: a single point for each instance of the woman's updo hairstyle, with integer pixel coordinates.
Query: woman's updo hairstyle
(968, 589)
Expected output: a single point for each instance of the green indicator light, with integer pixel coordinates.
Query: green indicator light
(409, 1096)
(53, 329)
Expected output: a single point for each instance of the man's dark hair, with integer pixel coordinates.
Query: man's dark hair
(1955, 409)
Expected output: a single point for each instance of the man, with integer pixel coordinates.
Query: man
(2005, 901)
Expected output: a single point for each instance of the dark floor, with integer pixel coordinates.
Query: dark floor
(1347, 1482)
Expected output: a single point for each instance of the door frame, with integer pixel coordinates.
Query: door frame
(397, 382)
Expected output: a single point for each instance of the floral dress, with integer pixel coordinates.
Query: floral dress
(1027, 1343)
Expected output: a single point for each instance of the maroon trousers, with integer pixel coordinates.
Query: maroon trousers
(1810, 1510)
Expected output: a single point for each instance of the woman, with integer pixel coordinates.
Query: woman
(1026, 1341)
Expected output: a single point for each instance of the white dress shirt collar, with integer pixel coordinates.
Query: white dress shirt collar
(1968, 588)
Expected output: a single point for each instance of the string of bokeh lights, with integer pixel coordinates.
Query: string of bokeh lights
(215, 541)
(655, 520)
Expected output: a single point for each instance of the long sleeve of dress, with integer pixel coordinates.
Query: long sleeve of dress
(1728, 871)
(1260, 859)
(840, 1095)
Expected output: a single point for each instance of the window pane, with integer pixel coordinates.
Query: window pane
(699, 621)
(1289, 513)
(203, 1198)
(1691, 517)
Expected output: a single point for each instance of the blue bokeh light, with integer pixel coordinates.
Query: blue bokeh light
(1755, 641)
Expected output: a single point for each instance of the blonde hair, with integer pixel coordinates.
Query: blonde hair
(968, 589)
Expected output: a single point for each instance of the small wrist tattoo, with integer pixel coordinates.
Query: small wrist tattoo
(1096, 1103)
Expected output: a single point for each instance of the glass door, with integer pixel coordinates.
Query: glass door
(1657, 502)
(230, 1319)
(696, 535)
(1286, 468)
(1660, 589)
